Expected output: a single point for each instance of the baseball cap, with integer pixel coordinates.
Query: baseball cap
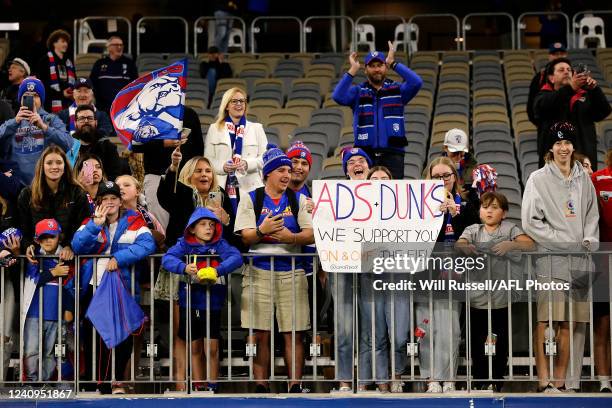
(47, 226)
(83, 82)
(22, 64)
(456, 141)
(108, 187)
(556, 47)
(375, 56)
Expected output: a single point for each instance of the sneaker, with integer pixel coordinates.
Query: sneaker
(397, 386)
(118, 388)
(605, 389)
(551, 389)
(295, 389)
(434, 387)
(449, 386)
(345, 388)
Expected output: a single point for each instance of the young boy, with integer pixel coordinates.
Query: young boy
(202, 236)
(44, 275)
(500, 240)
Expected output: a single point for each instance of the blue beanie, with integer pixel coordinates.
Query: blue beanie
(31, 84)
(273, 158)
(353, 151)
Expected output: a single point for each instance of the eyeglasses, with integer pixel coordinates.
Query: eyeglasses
(115, 45)
(238, 101)
(445, 176)
(83, 119)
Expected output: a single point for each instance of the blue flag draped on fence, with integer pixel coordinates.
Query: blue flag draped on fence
(113, 311)
(151, 107)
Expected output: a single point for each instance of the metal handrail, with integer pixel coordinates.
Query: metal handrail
(209, 18)
(466, 28)
(255, 29)
(308, 30)
(77, 23)
(520, 25)
(380, 17)
(142, 19)
(435, 15)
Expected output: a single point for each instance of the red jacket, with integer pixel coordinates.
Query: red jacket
(602, 180)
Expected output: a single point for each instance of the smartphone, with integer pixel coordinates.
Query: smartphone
(214, 198)
(28, 102)
(5, 261)
(88, 170)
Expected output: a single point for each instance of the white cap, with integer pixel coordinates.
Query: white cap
(456, 141)
(22, 64)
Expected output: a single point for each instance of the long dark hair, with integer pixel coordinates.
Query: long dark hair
(40, 189)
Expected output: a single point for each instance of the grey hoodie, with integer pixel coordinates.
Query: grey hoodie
(559, 214)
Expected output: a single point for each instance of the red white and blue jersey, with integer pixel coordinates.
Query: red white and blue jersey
(246, 219)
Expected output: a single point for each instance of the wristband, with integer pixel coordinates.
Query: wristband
(259, 233)
(393, 65)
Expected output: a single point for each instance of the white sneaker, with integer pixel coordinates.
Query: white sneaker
(449, 386)
(397, 386)
(434, 387)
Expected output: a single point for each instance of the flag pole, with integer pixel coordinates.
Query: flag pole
(185, 132)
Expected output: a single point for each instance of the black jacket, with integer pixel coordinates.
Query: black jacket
(44, 74)
(536, 84)
(224, 70)
(156, 157)
(69, 217)
(468, 215)
(180, 206)
(107, 152)
(583, 111)
(109, 77)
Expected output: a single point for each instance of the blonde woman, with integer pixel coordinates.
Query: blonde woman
(235, 146)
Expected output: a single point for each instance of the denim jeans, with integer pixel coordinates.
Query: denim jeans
(211, 76)
(342, 292)
(31, 348)
(386, 327)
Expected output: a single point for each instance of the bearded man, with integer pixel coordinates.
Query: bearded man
(378, 107)
(93, 142)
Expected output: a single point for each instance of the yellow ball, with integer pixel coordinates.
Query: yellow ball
(208, 274)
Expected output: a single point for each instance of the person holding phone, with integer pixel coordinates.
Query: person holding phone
(235, 146)
(196, 186)
(574, 96)
(31, 131)
(275, 219)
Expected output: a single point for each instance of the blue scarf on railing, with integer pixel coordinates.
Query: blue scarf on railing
(236, 134)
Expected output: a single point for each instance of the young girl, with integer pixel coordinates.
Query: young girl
(460, 209)
(90, 173)
(121, 235)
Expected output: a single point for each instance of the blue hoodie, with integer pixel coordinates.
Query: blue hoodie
(23, 143)
(230, 260)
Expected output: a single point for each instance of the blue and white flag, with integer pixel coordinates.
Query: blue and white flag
(151, 107)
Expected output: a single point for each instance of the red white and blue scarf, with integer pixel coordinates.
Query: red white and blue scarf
(236, 134)
(56, 104)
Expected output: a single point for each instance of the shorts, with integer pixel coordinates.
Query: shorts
(560, 300)
(198, 324)
(257, 281)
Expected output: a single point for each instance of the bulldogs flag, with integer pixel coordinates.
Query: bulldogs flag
(151, 107)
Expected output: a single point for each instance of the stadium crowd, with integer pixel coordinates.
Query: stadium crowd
(65, 191)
